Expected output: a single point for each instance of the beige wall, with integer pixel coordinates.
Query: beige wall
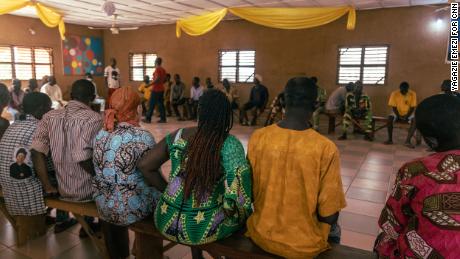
(417, 51)
(14, 31)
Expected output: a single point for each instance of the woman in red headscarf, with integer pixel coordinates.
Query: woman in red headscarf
(121, 193)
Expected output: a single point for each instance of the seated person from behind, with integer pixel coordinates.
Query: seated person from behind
(446, 88)
(178, 98)
(257, 101)
(121, 193)
(403, 103)
(4, 101)
(53, 90)
(336, 102)
(21, 187)
(17, 95)
(321, 102)
(68, 134)
(297, 186)
(195, 94)
(421, 218)
(210, 181)
(357, 106)
(232, 93)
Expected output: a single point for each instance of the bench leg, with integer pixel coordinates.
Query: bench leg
(148, 247)
(96, 238)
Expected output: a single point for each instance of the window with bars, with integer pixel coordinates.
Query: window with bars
(238, 66)
(366, 63)
(25, 63)
(141, 64)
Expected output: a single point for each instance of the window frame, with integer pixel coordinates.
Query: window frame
(144, 67)
(33, 63)
(237, 66)
(362, 65)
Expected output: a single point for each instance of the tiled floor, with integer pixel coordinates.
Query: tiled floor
(368, 171)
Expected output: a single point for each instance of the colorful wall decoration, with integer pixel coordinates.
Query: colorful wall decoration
(82, 55)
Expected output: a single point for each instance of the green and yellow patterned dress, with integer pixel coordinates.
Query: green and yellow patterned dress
(219, 215)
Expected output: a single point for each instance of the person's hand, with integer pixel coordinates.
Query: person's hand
(50, 191)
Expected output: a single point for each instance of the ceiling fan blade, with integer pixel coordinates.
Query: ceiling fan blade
(128, 28)
(97, 28)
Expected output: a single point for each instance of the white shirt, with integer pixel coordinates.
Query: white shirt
(113, 76)
(55, 94)
(196, 93)
(337, 99)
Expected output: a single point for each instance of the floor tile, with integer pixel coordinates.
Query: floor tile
(85, 249)
(346, 180)
(367, 208)
(377, 168)
(358, 223)
(7, 235)
(366, 195)
(378, 161)
(373, 175)
(10, 254)
(348, 171)
(350, 164)
(370, 184)
(49, 245)
(358, 240)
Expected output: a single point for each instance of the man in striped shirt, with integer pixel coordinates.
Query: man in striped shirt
(68, 134)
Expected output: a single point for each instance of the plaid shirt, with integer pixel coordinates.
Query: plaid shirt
(22, 196)
(68, 134)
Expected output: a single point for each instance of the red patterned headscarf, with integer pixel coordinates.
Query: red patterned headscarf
(123, 108)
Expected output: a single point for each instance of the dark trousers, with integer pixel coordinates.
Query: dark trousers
(116, 240)
(193, 109)
(176, 104)
(156, 99)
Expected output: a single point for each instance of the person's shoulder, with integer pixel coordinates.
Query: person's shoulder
(259, 133)
(412, 92)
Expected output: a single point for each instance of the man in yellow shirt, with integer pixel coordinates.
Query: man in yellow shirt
(297, 188)
(146, 90)
(403, 103)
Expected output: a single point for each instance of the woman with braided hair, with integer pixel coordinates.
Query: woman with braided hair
(209, 187)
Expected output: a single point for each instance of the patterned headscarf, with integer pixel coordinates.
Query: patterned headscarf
(123, 108)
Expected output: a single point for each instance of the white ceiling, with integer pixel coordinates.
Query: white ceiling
(150, 12)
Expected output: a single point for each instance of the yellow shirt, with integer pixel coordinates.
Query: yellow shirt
(403, 102)
(295, 175)
(146, 90)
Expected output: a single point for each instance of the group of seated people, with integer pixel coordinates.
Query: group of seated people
(176, 102)
(287, 192)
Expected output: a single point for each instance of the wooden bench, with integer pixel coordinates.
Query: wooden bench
(149, 245)
(397, 124)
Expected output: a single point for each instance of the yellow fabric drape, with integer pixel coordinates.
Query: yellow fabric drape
(47, 15)
(281, 18)
(198, 25)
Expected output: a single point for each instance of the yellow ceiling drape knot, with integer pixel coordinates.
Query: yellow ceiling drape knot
(47, 15)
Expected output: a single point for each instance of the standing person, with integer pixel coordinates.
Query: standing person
(195, 94)
(357, 106)
(158, 90)
(33, 86)
(21, 187)
(209, 84)
(121, 193)
(402, 103)
(4, 101)
(306, 164)
(146, 90)
(446, 88)
(257, 101)
(420, 218)
(336, 102)
(178, 97)
(53, 90)
(167, 97)
(112, 79)
(209, 189)
(321, 103)
(17, 95)
(68, 135)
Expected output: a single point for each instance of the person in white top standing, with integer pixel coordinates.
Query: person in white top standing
(53, 90)
(112, 78)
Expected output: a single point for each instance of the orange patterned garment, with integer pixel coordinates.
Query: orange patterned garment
(296, 174)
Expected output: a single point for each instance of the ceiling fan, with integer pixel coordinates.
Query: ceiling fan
(114, 28)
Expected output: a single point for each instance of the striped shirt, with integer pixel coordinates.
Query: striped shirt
(68, 134)
(23, 195)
